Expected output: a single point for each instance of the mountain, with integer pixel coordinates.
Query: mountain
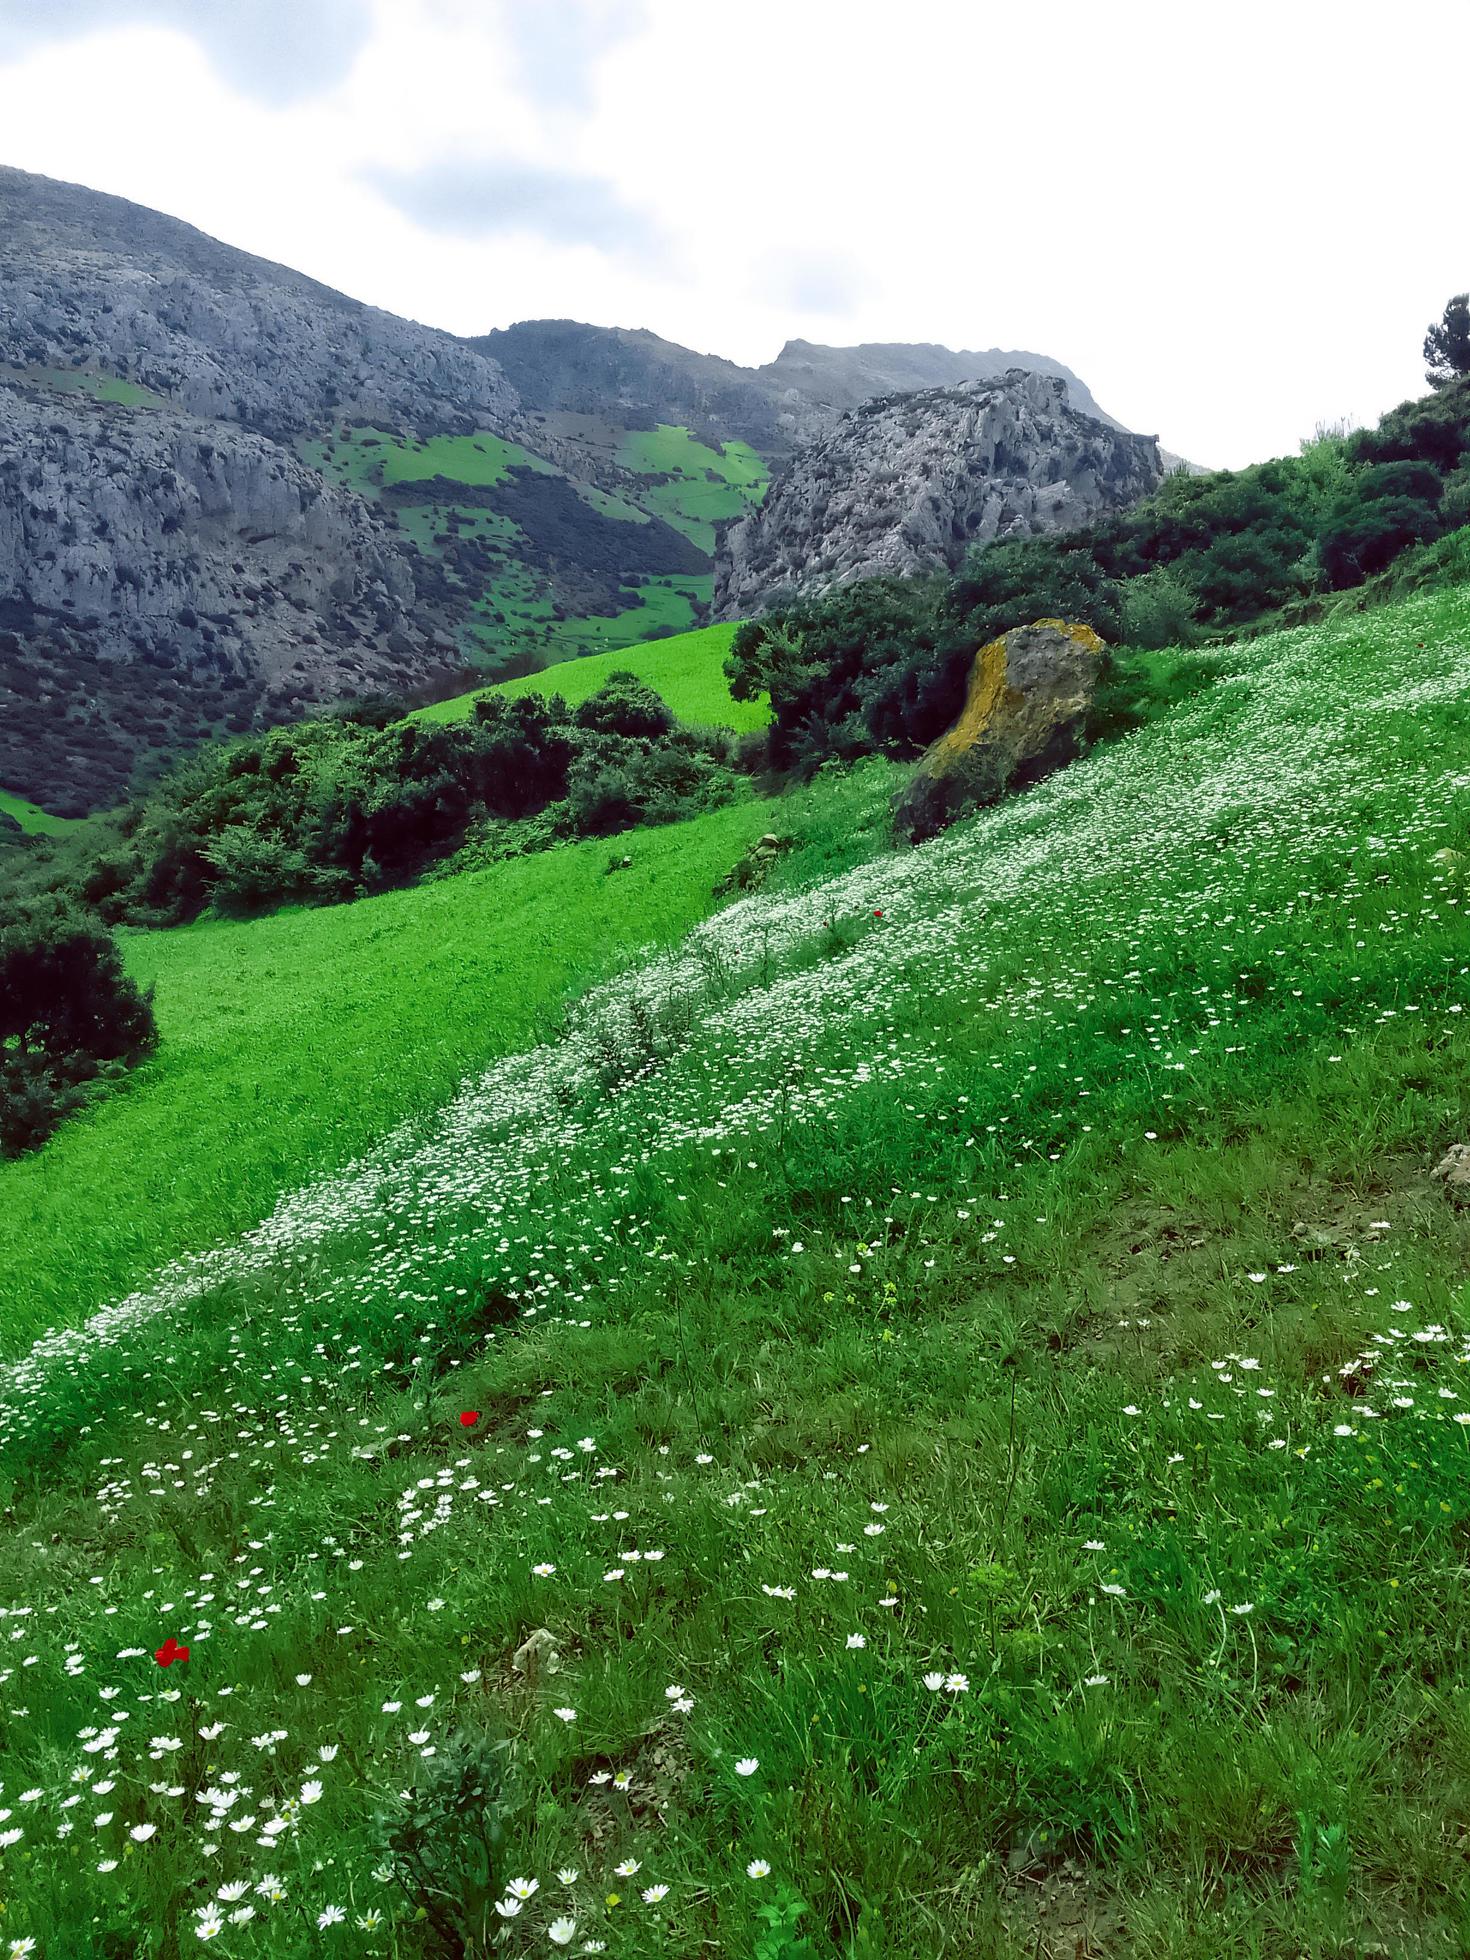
(230, 494)
(907, 483)
(162, 577)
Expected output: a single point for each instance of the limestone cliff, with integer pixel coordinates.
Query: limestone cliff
(193, 572)
(909, 482)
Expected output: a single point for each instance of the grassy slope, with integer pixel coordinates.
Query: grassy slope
(687, 670)
(368, 458)
(291, 1043)
(1003, 1359)
(33, 820)
(101, 387)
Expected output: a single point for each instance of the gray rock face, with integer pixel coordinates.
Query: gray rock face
(908, 483)
(216, 331)
(199, 565)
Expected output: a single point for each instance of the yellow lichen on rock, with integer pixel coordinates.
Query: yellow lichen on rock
(986, 692)
(1028, 692)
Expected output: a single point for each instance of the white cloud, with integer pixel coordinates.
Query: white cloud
(1231, 225)
(281, 50)
(487, 197)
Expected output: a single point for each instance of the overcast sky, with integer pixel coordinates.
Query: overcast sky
(1232, 222)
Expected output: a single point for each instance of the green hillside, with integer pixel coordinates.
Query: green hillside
(960, 1368)
(689, 484)
(687, 670)
(288, 1044)
(571, 567)
(33, 820)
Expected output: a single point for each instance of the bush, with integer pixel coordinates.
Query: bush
(68, 1012)
(627, 706)
(1386, 508)
(1013, 583)
(880, 664)
(1158, 611)
(1454, 506)
(611, 789)
(328, 809)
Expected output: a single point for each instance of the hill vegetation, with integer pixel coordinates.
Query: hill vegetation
(289, 1044)
(331, 810)
(929, 1415)
(881, 664)
(540, 566)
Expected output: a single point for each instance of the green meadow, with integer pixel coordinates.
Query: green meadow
(33, 820)
(291, 1043)
(687, 670)
(928, 1415)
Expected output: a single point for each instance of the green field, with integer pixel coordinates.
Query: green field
(33, 820)
(687, 671)
(961, 1364)
(368, 459)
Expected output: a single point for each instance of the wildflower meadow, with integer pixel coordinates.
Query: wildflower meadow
(931, 1415)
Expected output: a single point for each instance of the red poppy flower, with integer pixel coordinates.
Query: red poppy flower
(170, 1652)
(877, 915)
(469, 1417)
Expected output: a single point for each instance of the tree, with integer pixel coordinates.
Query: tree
(1447, 343)
(68, 1011)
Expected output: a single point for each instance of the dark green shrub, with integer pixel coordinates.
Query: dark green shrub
(880, 664)
(1158, 610)
(1387, 508)
(68, 1012)
(445, 1839)
(1018, 581)
(627, 706)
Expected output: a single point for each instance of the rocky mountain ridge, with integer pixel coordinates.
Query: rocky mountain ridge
(909, 482)
(563, 367)
(230, 495)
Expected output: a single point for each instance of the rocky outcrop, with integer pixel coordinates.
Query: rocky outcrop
(908, 483)
(91, 279)
(138, 541)
(810, 377)
(1454, 1170)
(1028, 693)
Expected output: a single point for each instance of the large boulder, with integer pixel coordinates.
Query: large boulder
(1028, 693)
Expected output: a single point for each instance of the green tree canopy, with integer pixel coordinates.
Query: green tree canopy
(1447, 343)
